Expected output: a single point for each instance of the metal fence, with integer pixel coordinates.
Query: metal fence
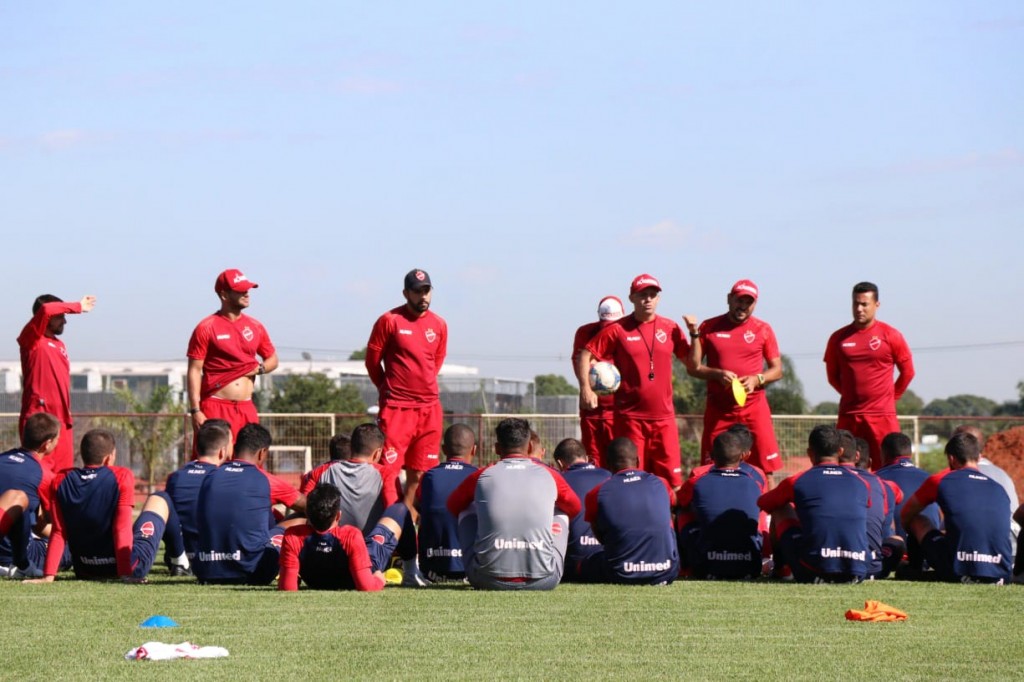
(153, 445)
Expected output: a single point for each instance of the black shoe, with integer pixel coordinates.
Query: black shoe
(179, 571)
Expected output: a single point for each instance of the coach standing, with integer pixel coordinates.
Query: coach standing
(859, 361)
(641, 346)
(222, 364)
(406, 350)
(737, 346)
(597, 425)
(46, 371)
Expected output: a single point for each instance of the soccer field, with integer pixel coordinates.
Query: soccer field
(692, 630)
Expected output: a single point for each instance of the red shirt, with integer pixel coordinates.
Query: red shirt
(228, 349)
(740, 348)
(859, 364)
(352, 542)
(633, 348)
(45, 368)
(605, 403)
(412, 350)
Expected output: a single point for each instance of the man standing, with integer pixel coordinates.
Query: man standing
(222, 364)
(405, 352)
(641, 346)
(859, 361)
(597, 425)
(737, 346)
(513, 534)
(46, 371)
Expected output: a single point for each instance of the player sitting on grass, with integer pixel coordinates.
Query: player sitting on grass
(631, 515)
(213, 448)
(975, 546)
(93, 514)
(339, 448)
(514, 530)
(239, 543)
(582, 476)
(440, 553)
(329, 556)
(24, 487)
(719, 519)
(819, 516)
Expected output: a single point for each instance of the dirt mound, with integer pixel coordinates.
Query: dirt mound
(1006, 450)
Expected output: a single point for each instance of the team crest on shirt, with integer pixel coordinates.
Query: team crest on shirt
(749, 336)
(147, 529)
(379, 539)
(391, 455)
(875, 343)
(431, 335)
(247, 334)
(277, 540)
(661, 336)
(556, 528)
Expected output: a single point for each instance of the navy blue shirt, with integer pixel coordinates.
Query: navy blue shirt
(439, 549)
(183, 487)
(908, 478)
(582, 477)
(724, 506)
(233, 514)
(631, 515)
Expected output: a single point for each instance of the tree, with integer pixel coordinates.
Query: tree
(314, 393)
(358, 354)
(553, 384)
(827, 407)
(154, 438)
(786, 396)
(962, 405)
(909, 403)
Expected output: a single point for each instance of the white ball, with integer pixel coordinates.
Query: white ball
(604, 378)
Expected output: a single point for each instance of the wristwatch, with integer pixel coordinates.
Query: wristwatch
(760, 380)
(193, 410)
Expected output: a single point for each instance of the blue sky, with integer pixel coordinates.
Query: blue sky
(533, 157)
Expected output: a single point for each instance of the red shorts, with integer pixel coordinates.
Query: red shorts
(872, 428)
(596, 433)
(657, 445)
(758, 418)
(412, 436)
(238, 413)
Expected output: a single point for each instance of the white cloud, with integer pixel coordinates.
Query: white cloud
(665, 234)
(57, 140)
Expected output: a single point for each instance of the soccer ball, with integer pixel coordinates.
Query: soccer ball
(604, 378)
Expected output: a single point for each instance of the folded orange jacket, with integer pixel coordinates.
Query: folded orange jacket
(876, 612)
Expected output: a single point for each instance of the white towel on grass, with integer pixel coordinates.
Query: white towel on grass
(159, 651)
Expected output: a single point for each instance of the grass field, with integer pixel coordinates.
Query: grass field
(691, 630)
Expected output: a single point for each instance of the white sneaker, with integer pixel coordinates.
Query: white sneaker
(5, 571)
(18, 574)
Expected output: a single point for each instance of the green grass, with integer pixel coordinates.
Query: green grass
(692, 630)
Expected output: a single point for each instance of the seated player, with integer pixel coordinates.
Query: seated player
(899, 469)
(367, 487)
(24, 484)
(514, 518)
(1018, 563)
(720, 536)
(339, 448)
(997, 474)
(631, 515)
(213, 448)
(440, 554)
(975, 546)
(886, 548)
(582, 476)
(536, 448)
(92, 512)
(329, 556)
(239, 543)
(819, 516)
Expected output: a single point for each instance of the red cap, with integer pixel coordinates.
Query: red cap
(233, 280)
(642, 282)
(744, 287)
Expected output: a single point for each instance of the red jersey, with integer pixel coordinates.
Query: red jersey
(45, 368)
(859, 364)
(740, 348)
(228, 349)
(639, 350)
(412, 350)
(605, 403)
(346, 541)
